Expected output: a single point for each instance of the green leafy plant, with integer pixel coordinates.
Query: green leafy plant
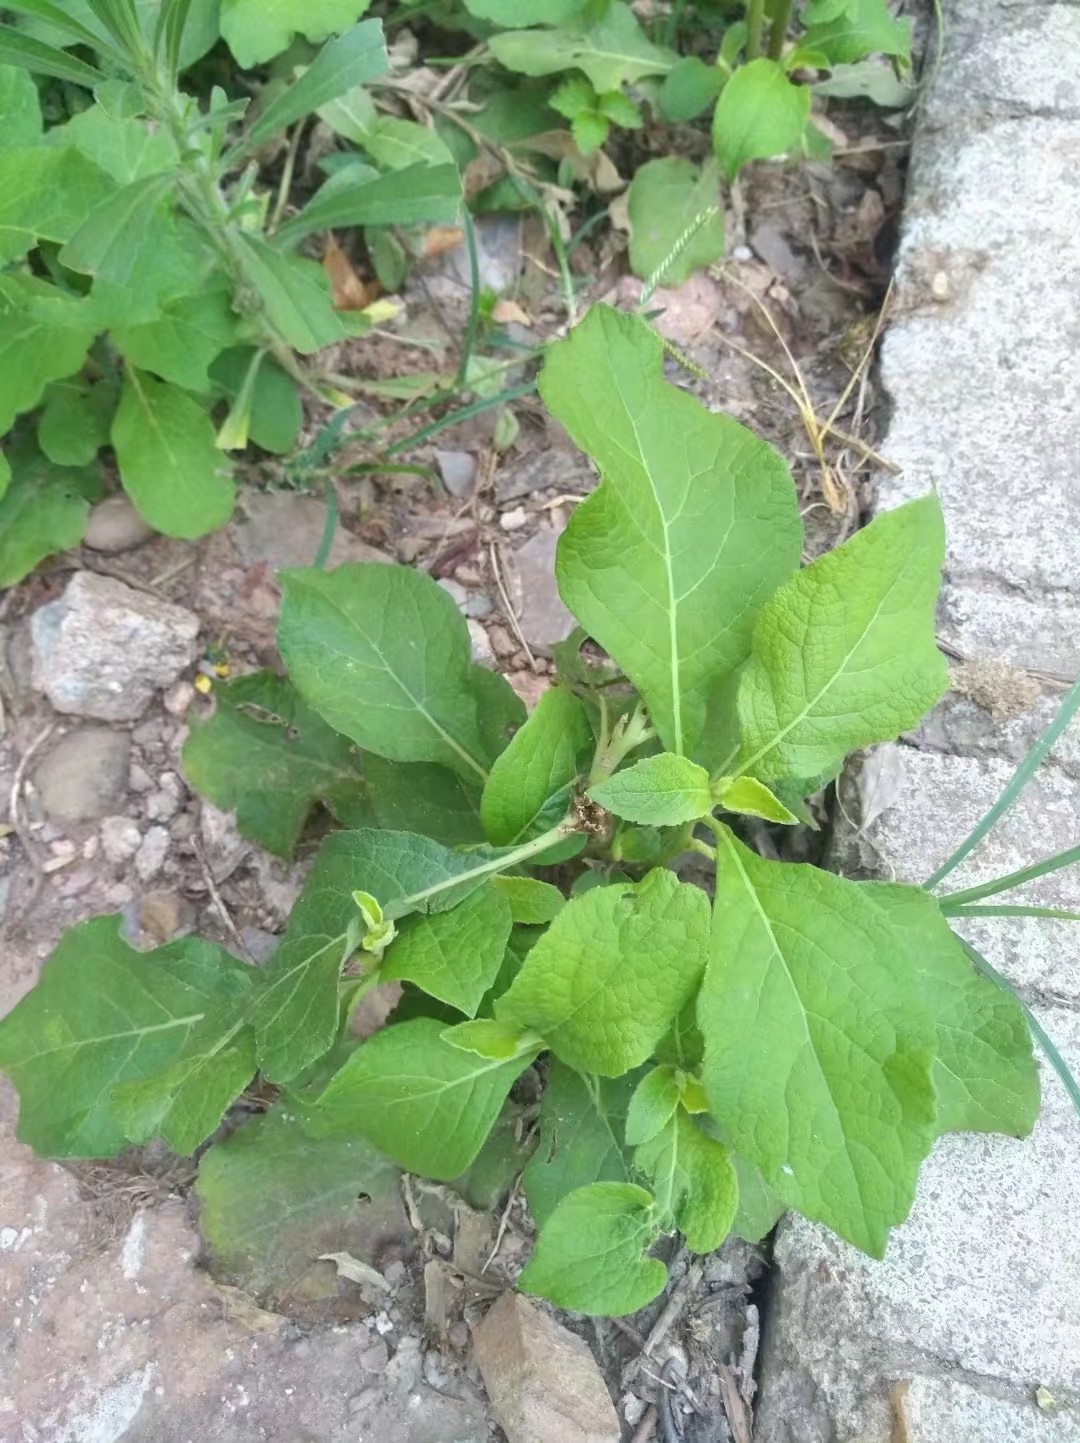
(793, 1040)
(755, 76)
(154, 297)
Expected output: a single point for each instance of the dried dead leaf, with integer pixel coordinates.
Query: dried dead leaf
(440, 239)
(356, 1270)
(349, 292)
(503, 312)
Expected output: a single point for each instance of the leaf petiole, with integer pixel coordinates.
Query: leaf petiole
(513, 858)
(952, 900)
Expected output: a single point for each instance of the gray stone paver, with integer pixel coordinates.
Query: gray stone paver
(977, 1305)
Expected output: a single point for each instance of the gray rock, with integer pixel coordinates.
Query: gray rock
(542, 1381)
(458, 471)
(120, 838)
(85, 775)
(977, 1303)
(114, 525)
(556, 468)
(182, 1358)
(283, 529)
(103, 649)
(150, 858)
(481, 644)
(164, 803)
(980, 1280)
(543, 618)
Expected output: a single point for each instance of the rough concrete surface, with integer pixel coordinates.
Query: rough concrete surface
(969, 1331)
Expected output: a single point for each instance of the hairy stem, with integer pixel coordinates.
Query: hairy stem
(755, 24)
(514, 858)
(778, 33)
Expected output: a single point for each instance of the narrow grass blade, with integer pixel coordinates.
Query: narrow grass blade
(474, 299)
(1042, 1040)
(1020, 778)
(952, 900)
(1053, 914)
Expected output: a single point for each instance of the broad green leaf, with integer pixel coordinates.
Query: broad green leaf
(683, 1046)
(532, 903)
(760, 113)
(760, 1206)
(44, 336)
(396, 144)
(984, 1072)
(590, 130)
(494, 1040)
(352, 59)
(818, 1054)
(845, 654)
(515, 14)
(419, 193)
(455, 955)
(180, 343)
(422, 797)
(118, 232)
(660, 791)
(104, 1014)
(750, 798)
(172, 259)
(500, 710)
(589, 1255)
(169, 465)
(48, 21)
(531, 783)
(676, 219)
(874, 80)
(420, 1100)
(867, 27)
(276, 413)
(653, 1105)
(5, 476)
(612, 52)
(296, 1013)
(74, 423)
(45, 194)
(694, 1180)
(581, 1137)
(20, 109)
(124, 147)
(820, 12)
(383, 654)
(269, 758)
(690, 89)
(257, 30)
(351, 115)
(296, 296)
(42, 511)
(613, 970)
(272, 1199)
(185, 1102)
(18, 48)
(694, 525)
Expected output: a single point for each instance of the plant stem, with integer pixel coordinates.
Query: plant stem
(755, 23)
(514, 858)
(627, 734)
(474, 299)
(952, 900)
(778, 34)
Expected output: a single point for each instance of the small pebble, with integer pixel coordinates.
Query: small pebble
(468, 575)
(150, 858)
(458, 1335)
(115, 526)
(383, 1325)
(481, 646)
(514, 520)
(478, 604)
(139, 779)
(502, 643)
(456, 590)
(179, 698)
(164, 803)
(939, 286)
(120, 839)
(458, 471)
(633, 1409)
